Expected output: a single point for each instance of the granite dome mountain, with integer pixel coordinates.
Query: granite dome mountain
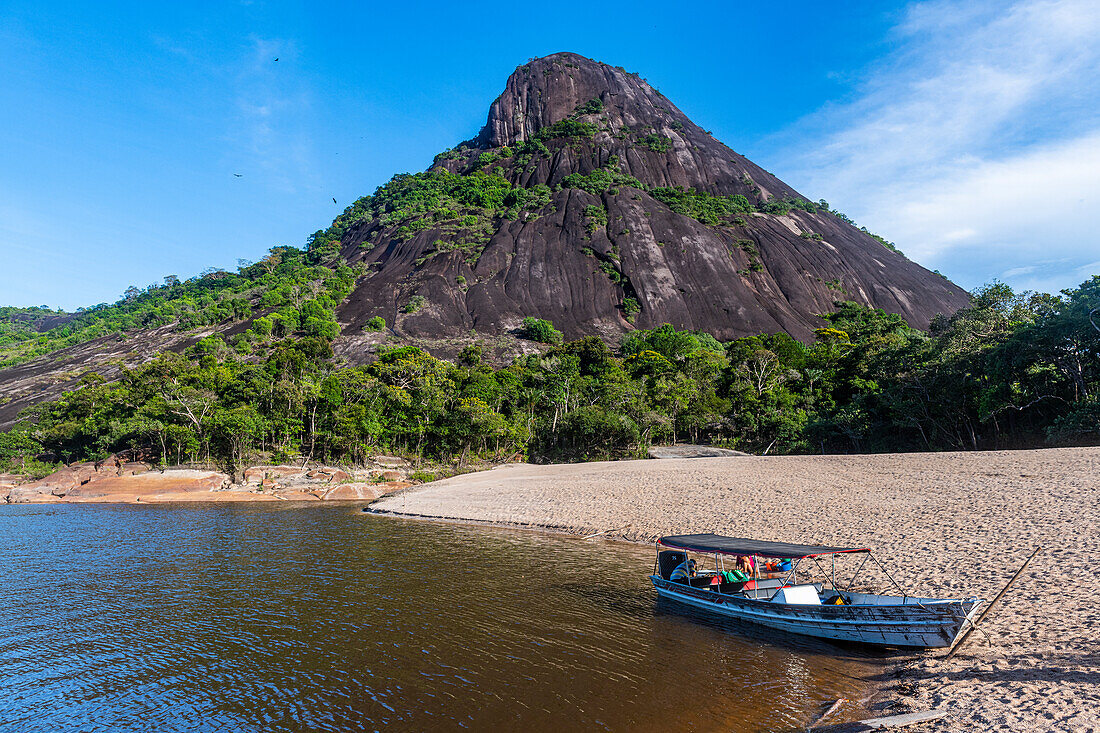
(589, 199)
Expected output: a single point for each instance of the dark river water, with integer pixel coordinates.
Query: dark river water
(321, 618)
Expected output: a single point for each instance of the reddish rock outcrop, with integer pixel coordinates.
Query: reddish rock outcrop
(58, 483)
(273, 478)
(16, 496)
(361, 491)
(112, 481)
(298, 496)
(133, 468)
(183, 481)
(197, 496)
(71, 480)
(8, 482)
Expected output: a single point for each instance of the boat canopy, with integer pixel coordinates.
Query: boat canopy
(722, 545)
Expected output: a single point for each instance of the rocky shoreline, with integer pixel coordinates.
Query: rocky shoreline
(115, 480)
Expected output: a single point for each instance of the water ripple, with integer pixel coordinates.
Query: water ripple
(246, 618)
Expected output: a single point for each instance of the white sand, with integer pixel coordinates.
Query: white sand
(953, 524)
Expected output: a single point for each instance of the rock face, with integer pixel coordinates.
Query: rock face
(118, 488)
(567, 262)
(8, 482)
(361, 491)
(114, 481)
(46, 377)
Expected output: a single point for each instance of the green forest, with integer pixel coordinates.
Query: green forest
(1011, 370)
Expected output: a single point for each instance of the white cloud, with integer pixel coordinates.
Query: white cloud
(1036, 203)
(975, 146)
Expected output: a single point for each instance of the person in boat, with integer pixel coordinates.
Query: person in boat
(741, 572)
(734, 576)
(683, 572)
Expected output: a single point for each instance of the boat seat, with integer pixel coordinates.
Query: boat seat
(667, 560)
(798, 595)
(765, 591)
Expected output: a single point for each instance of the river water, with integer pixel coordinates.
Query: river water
(253, 617)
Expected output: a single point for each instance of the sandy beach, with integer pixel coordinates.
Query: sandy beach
(953, 524)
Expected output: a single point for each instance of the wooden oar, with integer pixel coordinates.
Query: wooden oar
(992, 603)
(890, 721)
(832, 709)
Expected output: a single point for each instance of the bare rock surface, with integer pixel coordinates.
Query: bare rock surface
(8, 481)
(69, 478)
(298, 496)
(47, 377)
(176, 481)
(115, 480)
(762, 274)
(231, 495)
(58, 483)
(17, 496)
(360, 490)
(294, 475)
(257, 474)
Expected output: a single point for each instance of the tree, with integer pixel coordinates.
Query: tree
(540, 330)
(17, 446)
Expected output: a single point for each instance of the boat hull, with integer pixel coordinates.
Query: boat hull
(915, 623)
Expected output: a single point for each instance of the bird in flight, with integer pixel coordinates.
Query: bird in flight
(334, 200)
(276, 58)
(238, 175)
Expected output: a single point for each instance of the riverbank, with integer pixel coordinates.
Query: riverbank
(117, 481)
(950, 524)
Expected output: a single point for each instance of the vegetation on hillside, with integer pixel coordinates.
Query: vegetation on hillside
(1010, 370)
(284, 292)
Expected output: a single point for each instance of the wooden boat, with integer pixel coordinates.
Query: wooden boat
(820, 609)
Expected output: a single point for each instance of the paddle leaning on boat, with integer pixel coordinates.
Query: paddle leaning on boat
(812, 607)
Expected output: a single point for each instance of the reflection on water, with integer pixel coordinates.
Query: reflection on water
(321, 618)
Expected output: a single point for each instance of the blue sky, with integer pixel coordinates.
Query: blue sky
(965, 132)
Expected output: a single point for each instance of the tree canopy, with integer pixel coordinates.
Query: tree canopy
(1010, 370)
